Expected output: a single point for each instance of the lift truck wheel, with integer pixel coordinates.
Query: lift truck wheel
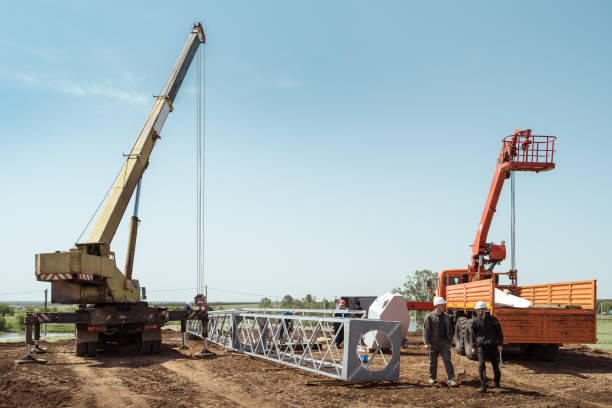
(81, 349)
(467, 335)
(459, 335)
(545, 352)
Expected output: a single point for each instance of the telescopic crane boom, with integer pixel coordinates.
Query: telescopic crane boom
(88, 274)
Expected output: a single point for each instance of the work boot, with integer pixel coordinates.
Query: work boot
(497, 385)
(452, 383)
(482, 389)
(432, 381)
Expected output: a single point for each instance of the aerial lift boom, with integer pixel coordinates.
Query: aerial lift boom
(557, 307)
(520, 152)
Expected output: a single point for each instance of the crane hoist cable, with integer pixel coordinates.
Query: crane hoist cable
(200, 170)
(512, 221)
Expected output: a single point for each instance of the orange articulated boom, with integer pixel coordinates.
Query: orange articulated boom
(562, 313)
(521, 151)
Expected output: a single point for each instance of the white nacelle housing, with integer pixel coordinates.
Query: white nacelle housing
(388, 307)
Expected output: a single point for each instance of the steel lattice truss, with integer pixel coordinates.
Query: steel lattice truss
(329, 346)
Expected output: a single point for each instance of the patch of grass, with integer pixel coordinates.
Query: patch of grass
(12, 322)
(60, 328)
(604, 333)
(228, 307)
(14, 325)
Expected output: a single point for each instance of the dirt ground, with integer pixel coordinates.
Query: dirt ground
(174, 378)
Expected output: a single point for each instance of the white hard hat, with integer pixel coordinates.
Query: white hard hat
(438, 300)
(480, 305)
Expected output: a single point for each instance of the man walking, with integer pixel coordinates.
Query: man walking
(437, 335)
(487, 338)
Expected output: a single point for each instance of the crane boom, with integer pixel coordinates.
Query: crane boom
(88, 274)
(117, 201)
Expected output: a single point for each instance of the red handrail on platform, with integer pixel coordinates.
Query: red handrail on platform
(523, 147)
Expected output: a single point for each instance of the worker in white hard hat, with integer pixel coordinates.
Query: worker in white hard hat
(487, 338)
(437, 336)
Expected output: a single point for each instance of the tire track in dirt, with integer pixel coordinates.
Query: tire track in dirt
(563, 397)
(103, 387)
(217, 389)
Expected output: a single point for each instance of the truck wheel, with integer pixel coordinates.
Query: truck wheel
(467, 335)
(92, 347)
(547, 352)
(459, 339)
(157, 346)
(526, 349)
(81, 349)
(145, 347)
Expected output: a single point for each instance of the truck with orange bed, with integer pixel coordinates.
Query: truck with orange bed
(560, 313)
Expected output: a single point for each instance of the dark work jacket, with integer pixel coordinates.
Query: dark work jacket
(487, 332)
(431, 328)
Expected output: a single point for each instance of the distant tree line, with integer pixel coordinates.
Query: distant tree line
(289, 302)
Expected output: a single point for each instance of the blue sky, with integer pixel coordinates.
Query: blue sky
(348, 143)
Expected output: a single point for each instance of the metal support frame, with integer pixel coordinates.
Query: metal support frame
(329, 346)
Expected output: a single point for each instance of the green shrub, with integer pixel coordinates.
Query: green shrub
(20, 321)
(6, 310)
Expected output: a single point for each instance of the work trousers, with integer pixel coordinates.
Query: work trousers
(440, 348)
(289, 324)
(488, 353)
(339, 333)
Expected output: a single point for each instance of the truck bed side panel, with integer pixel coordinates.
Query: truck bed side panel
(465, 295)
(582, 293)
(547, 325)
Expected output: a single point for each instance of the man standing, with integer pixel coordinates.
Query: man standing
(487, 337)
(339, 331)
(437, 335)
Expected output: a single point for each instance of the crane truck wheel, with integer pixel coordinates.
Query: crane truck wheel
(81, 349)
(146, 347)
(459, 333)
(92, 348)
(156, 346)
(467, 335)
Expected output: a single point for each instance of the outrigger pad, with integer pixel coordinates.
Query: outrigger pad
(206, 353)
(31, 360)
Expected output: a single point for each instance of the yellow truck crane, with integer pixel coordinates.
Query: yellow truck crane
(110, 303)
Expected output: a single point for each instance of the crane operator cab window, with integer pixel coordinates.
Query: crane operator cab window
(450, 281)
